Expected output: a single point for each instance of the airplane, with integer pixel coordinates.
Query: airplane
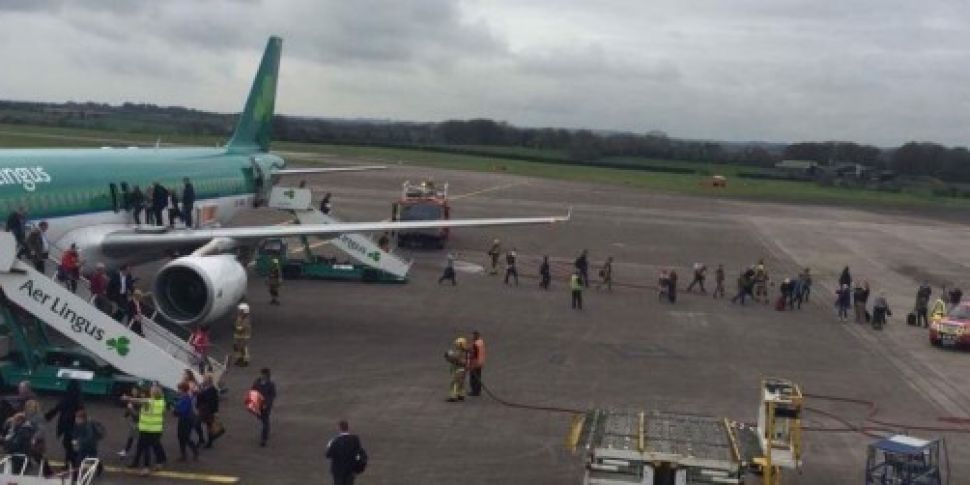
(82, 194)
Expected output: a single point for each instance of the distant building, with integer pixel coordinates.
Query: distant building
(805, 168)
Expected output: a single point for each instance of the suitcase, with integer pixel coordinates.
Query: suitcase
(780, 303)
(868, 316)
(911, 319)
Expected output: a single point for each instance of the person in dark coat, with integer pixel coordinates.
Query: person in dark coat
(582, 265)
(672, 286)
(159, 202)
(137, 202)
(347, 456)
(16, 225)
(65, 410)
(120, 285)
(173, 210)
(843, 299)
(188, 201)
(207, 404)
(267, 388)
(845, 279)
(545, 276)
(325, 205)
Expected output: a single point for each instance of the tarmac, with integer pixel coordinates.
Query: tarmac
(373, 354)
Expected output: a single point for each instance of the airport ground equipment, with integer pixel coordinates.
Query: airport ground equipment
(17, 470)
(159, 355)
(903, 460)
(358, 246)
(425, 201)
(660, 448)
(313, 266)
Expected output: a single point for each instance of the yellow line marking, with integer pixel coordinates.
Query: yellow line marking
(575, 429)
(195, 477)
(490, 189)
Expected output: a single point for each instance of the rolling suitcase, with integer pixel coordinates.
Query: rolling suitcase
(911, 319)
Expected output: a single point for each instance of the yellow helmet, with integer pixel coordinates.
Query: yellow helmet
(461, 342)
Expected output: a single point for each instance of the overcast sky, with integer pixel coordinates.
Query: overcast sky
(876, 71)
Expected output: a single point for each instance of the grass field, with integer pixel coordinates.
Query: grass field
(12, 136)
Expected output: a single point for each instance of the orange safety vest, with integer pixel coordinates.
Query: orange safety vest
(478, 357)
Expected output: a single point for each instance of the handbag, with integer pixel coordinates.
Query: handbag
(216, 428)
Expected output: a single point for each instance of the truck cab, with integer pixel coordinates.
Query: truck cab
(422, 202)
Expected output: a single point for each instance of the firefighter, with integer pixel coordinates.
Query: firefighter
(939, 308)
(457, 357)
(273, 280)
(494, 253)
(761, 282)
(242, 331)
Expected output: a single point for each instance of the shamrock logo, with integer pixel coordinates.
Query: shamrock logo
(376, 256)
(289, 193)
(120, 344)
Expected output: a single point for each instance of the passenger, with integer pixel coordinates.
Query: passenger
(201, 343)
(385, 242)
(185, 412)
(476, 362)
(576, 288)
(449, 272)
(133, 310)
(24, 394)
(71, 268)
(273, 280)
(188, 202)
(16, 225)
(242, 331)
(545, 276)
(150, 205)
(151, 424)
(457, 357)
(98, 284)
(132, 409)
(85, 439)
(38, 247)
(744, 282)
(700, 274)
(805, 286)
(325, 204)
(159, 203)
(672, 286)
(606, 275)
(956, 294)
(582, 265)
(267, 389)
(719, 281)
(493, 253)
(860, 297)
(784, 300)
(207, 404)
(120, 285)
(173, 208)
(137, 200)
(880, 310)
(510, 268)
(69, 404)
(922, 304)
(347, 456)
(17, 438)
(843, 298)
(845, 279)
(38, 443)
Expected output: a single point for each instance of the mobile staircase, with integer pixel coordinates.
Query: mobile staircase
(19, 470)
(160, 355)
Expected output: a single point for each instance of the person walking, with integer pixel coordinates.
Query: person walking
(545, 275)
(719, 281)
(201, 343)
(672, 286)
(65, 410)
(457, 357)
(880, 310)
(174, 212)
(274, 279)
(85, 437)
(159, 203)
(576, 289)
(325, 204)
(207, 405)
(134, 312)
(137, 200)
(606, 275)
(845, 279)
(476, 361)
(188, 202)
(510, 268)
(860, 297)
(843, 298)
(346, 454)
(71, 267)
(700, 274)
(120, 285)
(130, 416)
(921, 308)
(449, 272)
(761, 282)
(242, 331)
(185, 412)
(151, 424)
(805, 286)
(265, 386)
(98, 284)
(17, 225)
(38, 248)
(582, 265)
(493, 253)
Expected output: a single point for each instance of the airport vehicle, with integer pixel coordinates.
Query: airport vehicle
(660, 448)
(953, 329)
(85, 196)
(313, 266)
(422, 202)
(903, 460)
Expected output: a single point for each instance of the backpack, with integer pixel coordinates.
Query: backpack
(360, 462)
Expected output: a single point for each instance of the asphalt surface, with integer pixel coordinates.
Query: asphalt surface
(372, 353)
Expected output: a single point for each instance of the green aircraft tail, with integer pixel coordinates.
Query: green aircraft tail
(255, 125)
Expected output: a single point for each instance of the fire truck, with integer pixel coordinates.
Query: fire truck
(424, 201)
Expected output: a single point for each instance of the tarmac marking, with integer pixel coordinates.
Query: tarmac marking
(485, 191)
(575, 429)
(188, 476)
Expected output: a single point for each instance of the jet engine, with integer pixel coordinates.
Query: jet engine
(199, 289)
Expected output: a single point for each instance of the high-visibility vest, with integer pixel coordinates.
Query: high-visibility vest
(575, 283)
(152, 416)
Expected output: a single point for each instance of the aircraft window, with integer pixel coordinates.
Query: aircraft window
(114, 196)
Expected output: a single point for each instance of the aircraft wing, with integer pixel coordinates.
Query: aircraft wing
(132, 239)
(310, 171)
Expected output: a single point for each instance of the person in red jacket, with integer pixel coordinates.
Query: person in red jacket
(476, 363)
(71, 267)
(99, 289)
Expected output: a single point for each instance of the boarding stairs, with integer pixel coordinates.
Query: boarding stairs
(159, 356)
(21, 470)
(358, 246)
